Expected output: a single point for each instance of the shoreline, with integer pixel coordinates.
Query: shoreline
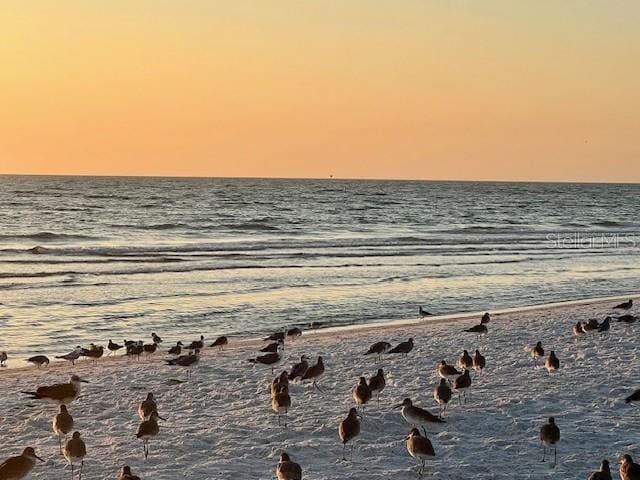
(342, 330)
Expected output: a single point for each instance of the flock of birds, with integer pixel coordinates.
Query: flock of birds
(453, 379)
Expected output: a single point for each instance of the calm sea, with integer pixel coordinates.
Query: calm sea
(181, 257)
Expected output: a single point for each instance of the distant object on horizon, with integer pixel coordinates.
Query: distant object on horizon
(624, 305)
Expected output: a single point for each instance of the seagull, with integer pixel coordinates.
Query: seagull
(577, 329)
(462, 383)
(61, 393)
(156, 338)
(220, 342)
(416, 416)
(628, 469)
(424, 313)
(196, 344)
(272, 347)
(299, 369)
(314, 372)
(38, 360)
(377, 384)
(17, 468)
(62, 424)
(378, 349)
(267, 359)
(447, 371)
(479, 362)
(176, 350)
(94, 352)
(274, 337)
(147, 430)
(403, 348)
(72, 356)
(348, 430)
(147, 407)
(150, 348)
(624, 305)
(591, 325)
(126, 474)
(627, 318)
(486, 318)
(294, 332)
(3, 359)
(442, 395)
(550, 434)
(537, 351)
(287, 469)
(362, 393)
(281, 402)
(480, 329)
(552, 364)
(634, 397)
(420, 448)
(605, 325)
(465, 360)
(604, 473)
(185, 361)
(74, 451)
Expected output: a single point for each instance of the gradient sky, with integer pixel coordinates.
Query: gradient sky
(430, 89)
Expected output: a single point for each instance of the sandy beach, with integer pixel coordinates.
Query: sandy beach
(220, 424)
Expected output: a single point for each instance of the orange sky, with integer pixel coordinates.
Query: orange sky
(434, 89)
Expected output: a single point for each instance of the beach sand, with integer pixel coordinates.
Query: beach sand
(220, 424)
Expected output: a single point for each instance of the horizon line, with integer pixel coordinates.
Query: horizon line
(330, 178)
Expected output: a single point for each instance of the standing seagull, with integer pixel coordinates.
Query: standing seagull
(416, 416)
(624, 305)
(348, 430)
(113, 347)
(465, 360)
(423, 313)
(447, 371)
(378, 349)
(126, 474)
(196, 344)
(281, 402)
(147, 430)
(314, 372)
(186, 361)
(462, 383)
(552, 364)
(62, 425)
(72, 356)
(147, 407)
(17, 468)
(220, 342)
(486, 318)
(403, 348)
(155, 338)
(293, 333)
(442, 395)
(420, 448)
(362, 393)
(550, 434)
(287, 469)
(39, 360)
(479, 362)
(628, 469)
(176, 349)
(377, 384)
(61, 393)
(604, 473)
(74, 451)
(537, 351)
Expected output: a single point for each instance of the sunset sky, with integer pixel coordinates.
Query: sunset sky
(428, 89)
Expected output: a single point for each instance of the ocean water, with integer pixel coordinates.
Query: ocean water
(184, 257)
